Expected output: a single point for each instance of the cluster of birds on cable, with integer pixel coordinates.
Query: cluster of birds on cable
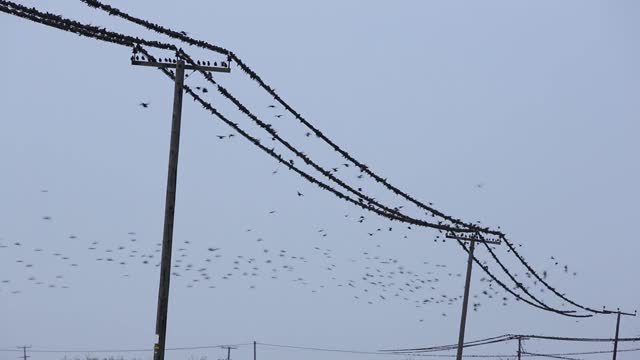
(165, 60)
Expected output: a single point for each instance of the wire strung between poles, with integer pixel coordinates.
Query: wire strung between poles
(254, 76)
(103, 34)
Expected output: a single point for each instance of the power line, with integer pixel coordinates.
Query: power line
(319, 349)
(392, 212)
(201, 347)
(203, 44)
(594, 352)
(254, 76)
(542, 281)
(518, 297)
(518, 284)
(103, 34)
(487, 341)
(403, 352)
(120, 39)
(579, 339)
(550, 356)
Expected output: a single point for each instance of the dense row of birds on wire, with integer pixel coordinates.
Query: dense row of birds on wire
(325, 178)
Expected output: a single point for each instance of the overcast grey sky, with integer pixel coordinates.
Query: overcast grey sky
(537, 101)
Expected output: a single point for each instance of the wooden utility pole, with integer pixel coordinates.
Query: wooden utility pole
(615, 342)
(24, 351)
(254, 350)
(472, 239)
(170, 200)
(520, 338)
(229, 351)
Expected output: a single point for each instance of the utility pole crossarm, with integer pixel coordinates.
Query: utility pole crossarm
(620, 312)
(474, 238)
(168, 65)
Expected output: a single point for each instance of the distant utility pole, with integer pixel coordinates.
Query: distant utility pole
(170, 201)
(520, 338)
(24, 351)
(254, 350)
(472, 239)
(615, 342)
(229, 351)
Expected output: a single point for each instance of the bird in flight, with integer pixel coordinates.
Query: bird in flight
(271, 106)
(144, 104)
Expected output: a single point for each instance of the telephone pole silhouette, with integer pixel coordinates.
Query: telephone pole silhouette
(615, 342)
(472, 239)
(24, 351)
(229, 351)
(170, 201)
(520, 352)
